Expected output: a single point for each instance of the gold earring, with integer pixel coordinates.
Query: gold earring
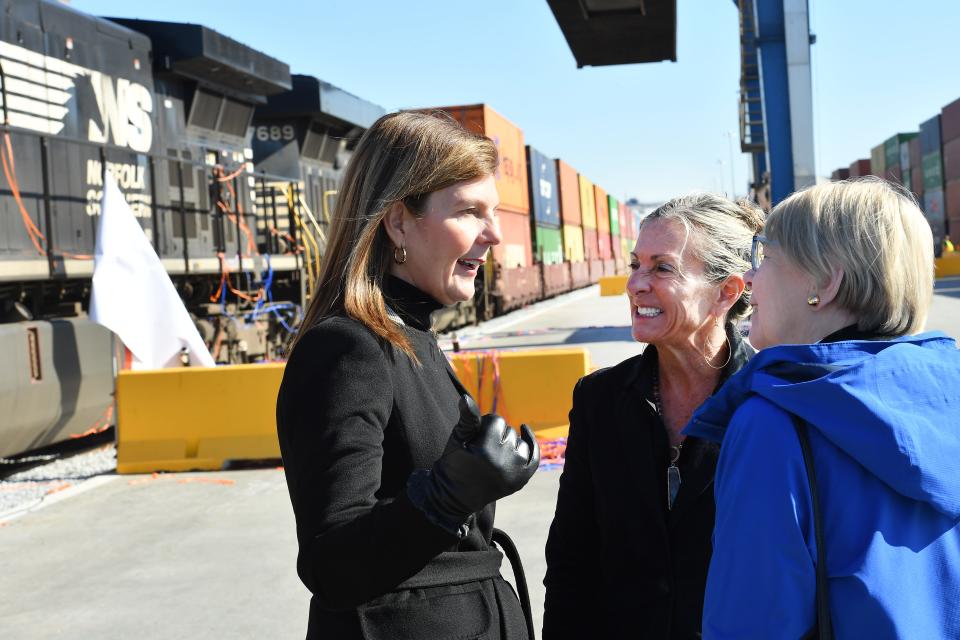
(813, 300)
(399, 255)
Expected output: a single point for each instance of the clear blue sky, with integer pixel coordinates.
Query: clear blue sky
(647, 131)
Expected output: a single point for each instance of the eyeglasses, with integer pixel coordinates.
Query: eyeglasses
(756, 251)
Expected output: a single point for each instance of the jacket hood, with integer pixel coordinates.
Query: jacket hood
(893, 406)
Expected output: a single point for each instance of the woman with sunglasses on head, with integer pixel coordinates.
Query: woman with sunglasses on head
(629, 546)
(838, 484)
(391, 470)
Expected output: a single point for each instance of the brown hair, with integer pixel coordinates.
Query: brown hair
(403, 157)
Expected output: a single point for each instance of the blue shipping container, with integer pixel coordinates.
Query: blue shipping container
(930, 136)
(544, 189)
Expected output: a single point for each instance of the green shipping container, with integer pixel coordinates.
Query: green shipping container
(614, 216)
(891, 149)
(932, 171)
(549, 244)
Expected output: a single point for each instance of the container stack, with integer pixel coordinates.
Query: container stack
(840, 174)
(591, 247)
(860, 168)
(626, 234)
(545, 222)
(931, 163)
(519, 282)
(950, 138)
(878, 161)
(893, 158)
(613, 207)
(916, 169)
(572, 224)
(605, 248)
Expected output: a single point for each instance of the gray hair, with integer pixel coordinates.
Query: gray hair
(721, 232)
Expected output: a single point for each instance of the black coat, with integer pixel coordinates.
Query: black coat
(619, 563)
(355, 417)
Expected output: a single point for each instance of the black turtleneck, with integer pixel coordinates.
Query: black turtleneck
(851, 332)
(410, 303)
(355, 417)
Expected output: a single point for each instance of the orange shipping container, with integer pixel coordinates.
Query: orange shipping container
(512, 172)
(569, 193)
(588, 206)
(603, 210)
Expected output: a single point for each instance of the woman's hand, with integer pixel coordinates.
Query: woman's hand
(484, 461)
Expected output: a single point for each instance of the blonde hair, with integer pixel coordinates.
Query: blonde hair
(722, 232)
(402, 157)
(875, 232)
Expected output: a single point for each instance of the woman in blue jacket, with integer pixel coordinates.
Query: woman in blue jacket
(841, 282)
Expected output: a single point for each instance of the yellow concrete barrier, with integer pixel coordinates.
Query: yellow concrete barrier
(613, 285)
(533, 386)
(196, 418)
(948, 265)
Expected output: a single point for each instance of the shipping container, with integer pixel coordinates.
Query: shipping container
(579, 274)
(588, 204)
(916, 183)
(511, 173)
(603, 209)
(930, 140)
(891, 149)
(573, 243)
(905, 155)
(625, 217)
(605, 247)
(613, 208)
(591, 248)
(860, 168)
(951, 160)
(840, 174)
(514, 249)
(569, 194)
(878, 160)
(932, 165)
(952, 208)
(950, 122)
(934, 210)
(596, 270)
(548, 243)
(914, 153)
(544, 190)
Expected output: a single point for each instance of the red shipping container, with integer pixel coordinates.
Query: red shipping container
(626, 218)
(840, 174)
(915, 159)
(953, 208)
(916, 183)
(951, 160)
(603, 209)
(590, 246)
(514, 249)
(860, 168)
(605, 245)
(950, 122)
(569, 193)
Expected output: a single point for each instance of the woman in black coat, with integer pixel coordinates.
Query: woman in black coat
(391, 471)
(629, 547)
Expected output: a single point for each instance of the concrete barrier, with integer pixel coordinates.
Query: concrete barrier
(948, 265)
(613, 285)
(196, 418)
(532, 386)
(200, 418)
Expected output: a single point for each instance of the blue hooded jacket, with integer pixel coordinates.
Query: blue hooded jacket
(884, 428)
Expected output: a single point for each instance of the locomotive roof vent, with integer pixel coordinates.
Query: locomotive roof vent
(323, 101)
(201, 53)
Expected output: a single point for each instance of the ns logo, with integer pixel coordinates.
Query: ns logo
(119, 113)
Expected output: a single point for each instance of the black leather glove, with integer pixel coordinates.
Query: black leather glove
(483, 461)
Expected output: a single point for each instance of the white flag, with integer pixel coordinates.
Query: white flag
(132, 294)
